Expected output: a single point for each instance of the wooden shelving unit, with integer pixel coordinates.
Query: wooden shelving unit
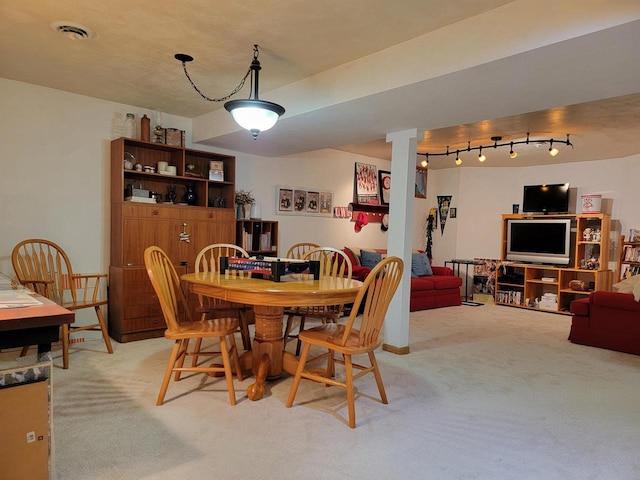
(181, 230)
(524, 285)
(257, 237)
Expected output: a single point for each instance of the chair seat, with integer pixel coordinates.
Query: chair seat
(330, 336)
(86, 304)
(205, 328)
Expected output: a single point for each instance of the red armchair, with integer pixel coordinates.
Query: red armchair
(607, 320)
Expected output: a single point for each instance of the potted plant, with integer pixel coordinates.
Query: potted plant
(243, 198)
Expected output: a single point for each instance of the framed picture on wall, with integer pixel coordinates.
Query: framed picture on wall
(366, 183)
(312, 202)
(285, 200)
(421, 182)
(384, 182)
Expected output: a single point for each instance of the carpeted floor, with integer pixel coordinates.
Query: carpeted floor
(487, 393)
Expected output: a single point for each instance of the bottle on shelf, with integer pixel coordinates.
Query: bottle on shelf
(145, 128)
(130, 126)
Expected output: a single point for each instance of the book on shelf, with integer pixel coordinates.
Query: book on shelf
(631, 254)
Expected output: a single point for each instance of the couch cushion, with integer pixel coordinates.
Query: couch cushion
(420, 265)
(369, 259)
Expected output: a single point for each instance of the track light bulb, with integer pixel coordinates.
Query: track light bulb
(513, 154)
(553, 151)
(424, 163)
(458, 161)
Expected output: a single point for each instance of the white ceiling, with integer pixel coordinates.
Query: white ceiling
(350, 72)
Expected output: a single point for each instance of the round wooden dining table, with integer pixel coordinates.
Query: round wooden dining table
(269, 298)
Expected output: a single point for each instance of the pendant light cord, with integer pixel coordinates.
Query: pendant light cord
(233, 92)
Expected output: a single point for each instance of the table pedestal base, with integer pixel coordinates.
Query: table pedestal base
(267, 356)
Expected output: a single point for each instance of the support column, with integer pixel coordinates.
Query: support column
(399, 242)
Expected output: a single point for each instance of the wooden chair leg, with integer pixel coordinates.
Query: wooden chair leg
(302, 318)
(287, 331)
(65, 345)
(196, 350)
(244, 329)
(167, 373)
(298, 375)
(348, 367)
(180, 358)
(376, 373)
(236, 358)
(103, 329)
(226, 362)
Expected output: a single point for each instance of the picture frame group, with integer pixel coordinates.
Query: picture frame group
(293, 200)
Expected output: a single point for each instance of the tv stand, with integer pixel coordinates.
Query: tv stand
(549, 287)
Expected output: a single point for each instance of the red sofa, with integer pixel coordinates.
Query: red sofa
(607, 320)
(442, 289)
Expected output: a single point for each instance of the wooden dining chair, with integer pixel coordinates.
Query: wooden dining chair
(376, 294)
(333, 263)
(208, 260)
(42, 266)
(297, 250)
(181, 328)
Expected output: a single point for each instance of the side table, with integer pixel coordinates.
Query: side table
(455, 266)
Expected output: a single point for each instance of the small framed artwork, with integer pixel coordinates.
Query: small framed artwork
(299, 200)
(421, 182)
(312, 202)
(384, 178)
(285, 200)
(453, 212)
(326, 202)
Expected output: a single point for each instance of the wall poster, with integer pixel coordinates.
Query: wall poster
(366, 184)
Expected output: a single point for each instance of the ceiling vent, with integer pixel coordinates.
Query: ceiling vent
(73, 31)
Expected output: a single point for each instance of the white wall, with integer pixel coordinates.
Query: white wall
(54, 183)
(483, 194)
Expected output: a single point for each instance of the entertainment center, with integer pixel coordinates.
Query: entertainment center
(548, 273)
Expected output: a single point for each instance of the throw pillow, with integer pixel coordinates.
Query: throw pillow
(420, 266)
(369, 259)
(351, 255)
(629, 285)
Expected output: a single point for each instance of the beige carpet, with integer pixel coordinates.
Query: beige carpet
(487, 393)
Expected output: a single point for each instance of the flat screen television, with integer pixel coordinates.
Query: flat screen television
(549, 198)
(539, 241)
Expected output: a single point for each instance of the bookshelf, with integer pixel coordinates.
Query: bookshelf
(257, 237)
(629, 261)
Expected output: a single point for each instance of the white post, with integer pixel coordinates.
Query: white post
(399, 243)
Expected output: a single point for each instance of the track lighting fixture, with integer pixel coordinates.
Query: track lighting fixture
(481, 157)
(553, 151)
(252, 114)
(512, 153)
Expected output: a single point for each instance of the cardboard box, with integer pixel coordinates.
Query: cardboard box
(24, 442)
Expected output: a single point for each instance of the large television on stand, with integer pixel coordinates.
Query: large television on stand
(547, 198)
(539, 240)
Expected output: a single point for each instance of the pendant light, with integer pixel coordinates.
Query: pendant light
(251, 114)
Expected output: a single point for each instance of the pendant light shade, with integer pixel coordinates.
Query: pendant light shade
(254, 115)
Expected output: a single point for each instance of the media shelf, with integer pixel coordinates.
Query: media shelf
(548, 287)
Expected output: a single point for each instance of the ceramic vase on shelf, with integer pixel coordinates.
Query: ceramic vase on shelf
(256, 211)
(247, 212)
(239, 211)
(190, 195)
